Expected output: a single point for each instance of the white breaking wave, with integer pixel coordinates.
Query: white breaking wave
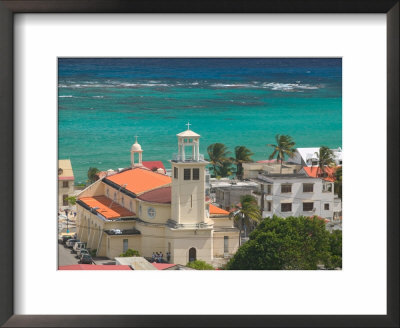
(289, 86)
(275, 86)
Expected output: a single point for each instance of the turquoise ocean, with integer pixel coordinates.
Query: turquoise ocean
(103, 103)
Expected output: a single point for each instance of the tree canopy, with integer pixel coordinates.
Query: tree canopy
(338, 182)
(293, 243)
(246, 214)
(219, 159)
(92, 174)
(325, 158)
(284, 146)
(242, 155)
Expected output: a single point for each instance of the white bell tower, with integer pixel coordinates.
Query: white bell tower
(136, 149)
(188, 180)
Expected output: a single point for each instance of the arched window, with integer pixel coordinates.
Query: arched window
(192, 254)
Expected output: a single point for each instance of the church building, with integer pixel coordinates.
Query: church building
(148, 211)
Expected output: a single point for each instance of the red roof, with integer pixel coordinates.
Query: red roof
(216, 210)
(151, 165)
(94, 267)
(65, 178)
(103, 203)
(163, 266)
(139, 180)
(315, 172)
(160, 195)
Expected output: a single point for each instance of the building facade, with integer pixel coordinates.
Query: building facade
(150, 212)
(295, 194)
(65, 182)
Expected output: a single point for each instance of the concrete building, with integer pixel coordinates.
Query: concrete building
(65, 182)
(227, 193)
(251, 170)
(296, 194)
(150, 212)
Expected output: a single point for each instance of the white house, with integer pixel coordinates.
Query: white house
(295, 194)
(309, 156)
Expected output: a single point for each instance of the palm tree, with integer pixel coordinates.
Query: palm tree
(284, 146)
(247, 214)
(218, 154)
(92, 174)
(338, 182)
(325, 158)
(242, 155)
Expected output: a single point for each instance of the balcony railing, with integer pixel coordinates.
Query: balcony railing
(187, 158)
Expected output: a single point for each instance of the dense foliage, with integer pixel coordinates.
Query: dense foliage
(92, 174)
(221, 163)
(334, 259)
(325, 159)
(338, 182)
(130, 253)
(293, 243)
(218, 158)
(246, 214)
(284, 146)
(242, 155)
(200, 265)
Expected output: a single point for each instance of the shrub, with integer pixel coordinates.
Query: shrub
(130, 252)
(200, 265)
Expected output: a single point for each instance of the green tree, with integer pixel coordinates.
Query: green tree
(247, 214)
(225, 170)
(325, 158)
(71, 200)
(334, 260)
(92, 174)
(200, 265)
(130, 253)
(284, 146)
(338, 181)
(294, 243)
(242, 155)
(218, 157)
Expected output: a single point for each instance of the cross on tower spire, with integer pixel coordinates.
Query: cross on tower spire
(188, 125)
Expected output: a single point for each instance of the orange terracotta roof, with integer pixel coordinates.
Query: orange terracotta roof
(139, 180)
(315, 172)
(216, 210)
(103, 203)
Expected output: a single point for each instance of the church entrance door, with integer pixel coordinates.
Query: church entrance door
(192, 254)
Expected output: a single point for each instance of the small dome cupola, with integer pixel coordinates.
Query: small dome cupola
(136, 149)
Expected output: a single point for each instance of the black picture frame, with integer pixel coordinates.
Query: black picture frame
(10, 7)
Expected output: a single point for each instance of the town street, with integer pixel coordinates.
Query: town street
(65, 257)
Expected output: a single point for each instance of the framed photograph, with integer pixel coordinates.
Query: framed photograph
(115, 88)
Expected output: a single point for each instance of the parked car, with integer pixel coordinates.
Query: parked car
(65, 239)
(77, 246)
(70, 243)
(81, 252)
(86, 259)
(65, 234)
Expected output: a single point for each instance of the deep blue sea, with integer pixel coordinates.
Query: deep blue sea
(104, 103)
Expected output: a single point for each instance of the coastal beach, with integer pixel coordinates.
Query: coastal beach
(104, 103)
